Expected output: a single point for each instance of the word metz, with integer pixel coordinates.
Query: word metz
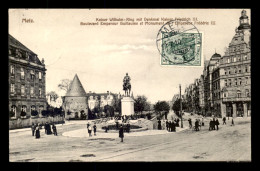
(25, 20)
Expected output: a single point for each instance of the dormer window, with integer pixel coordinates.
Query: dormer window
(22, 73)
(40, 75)
(32, 75)
(12, 70)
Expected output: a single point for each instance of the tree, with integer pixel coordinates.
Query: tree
(162, 106)
(176, 107)
(140, 104)
(53, 95)
(65, 84)
(117, 105)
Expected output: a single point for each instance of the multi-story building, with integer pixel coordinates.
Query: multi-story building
(201, 94)
(235, 72)
(100, 99)
(26, 80)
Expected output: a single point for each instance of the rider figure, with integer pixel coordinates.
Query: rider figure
(126, 81)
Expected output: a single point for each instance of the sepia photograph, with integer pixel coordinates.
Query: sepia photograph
(129, 85)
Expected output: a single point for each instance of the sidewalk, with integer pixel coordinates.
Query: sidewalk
(29, 129)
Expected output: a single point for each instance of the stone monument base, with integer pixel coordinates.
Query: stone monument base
(127, 106)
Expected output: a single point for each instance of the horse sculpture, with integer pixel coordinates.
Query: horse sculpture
(127, 88)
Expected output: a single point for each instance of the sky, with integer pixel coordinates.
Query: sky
(102, 55)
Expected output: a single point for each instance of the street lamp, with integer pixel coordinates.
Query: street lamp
(181, 108)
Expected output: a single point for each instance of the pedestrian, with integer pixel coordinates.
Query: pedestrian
(88, 125)
(46, 127)
(177, 122)
(167, 125)
(224, 120)
(121, 132)
(54, 129)
(217, 123)
(163, 125)
(117, 125)
(213, 123)
(202, 121)
(89, 130)
(33, 129)
(173, 127)
(232, 122)
(95, 129)
(49, 132)
(190, 123)
(197, 125)
(159, 125)
(170, 126)
(106, 127)
(37, 131)
(128, 127)
(210, 125)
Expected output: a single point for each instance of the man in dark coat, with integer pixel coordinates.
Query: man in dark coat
(190, 123)
(95, 129)
(197, 125)
(37, 132)
(173, 126)
(167, 125)
(54, 129)
(159, 125)
(49, 132)
(128, 127)
(232, 122)
(217, 123)
(33, 129)
(177, 122)
(121, 132)
(46, 127)
(213, 124)
(210, 125)
(224, 120)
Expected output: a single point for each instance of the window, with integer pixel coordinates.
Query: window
(22, 89)
(228, 60)
(238, 93)
(22, 73)
(245, 57)
(12, 70)
(225, 72)
(23, 108)
(235, 81)
(12, 88)
(229, 72)
(32, 75)
(32, 90)
(235, 70)
(40, 92)
(240, 81)
(13, 109)
(40, 75)
(235, 59)
(246, 69)
(247, 93)
(239, 69)
(225, 82)
(246, 80)
(229, 80)
(33, 108)
(225, 95)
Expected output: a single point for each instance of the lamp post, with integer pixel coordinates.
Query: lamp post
(181, 108)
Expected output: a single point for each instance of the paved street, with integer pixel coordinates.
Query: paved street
(229, 143)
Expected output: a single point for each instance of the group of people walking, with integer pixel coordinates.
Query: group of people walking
(89, 128)
(168, 125)
(213, 124)
(36, 129)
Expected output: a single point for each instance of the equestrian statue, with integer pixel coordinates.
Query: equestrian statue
(127, 85)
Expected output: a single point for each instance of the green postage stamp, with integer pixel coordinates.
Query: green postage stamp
(179, 46)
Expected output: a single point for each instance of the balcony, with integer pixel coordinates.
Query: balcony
(236, 99)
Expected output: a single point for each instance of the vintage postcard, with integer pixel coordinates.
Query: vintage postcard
(89, 85)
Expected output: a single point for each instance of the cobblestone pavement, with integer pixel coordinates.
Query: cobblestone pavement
(229, 143)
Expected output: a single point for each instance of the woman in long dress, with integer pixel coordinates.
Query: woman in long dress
(37, 133)
(121, 132)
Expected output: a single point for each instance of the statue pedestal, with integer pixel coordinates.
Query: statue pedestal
(127, 106)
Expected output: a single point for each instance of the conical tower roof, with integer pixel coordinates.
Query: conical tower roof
(76, 88)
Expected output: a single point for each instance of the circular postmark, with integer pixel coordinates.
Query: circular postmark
(179, 43)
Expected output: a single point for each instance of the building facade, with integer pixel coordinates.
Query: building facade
(100, 99)
(235, 72)
(26, 81)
